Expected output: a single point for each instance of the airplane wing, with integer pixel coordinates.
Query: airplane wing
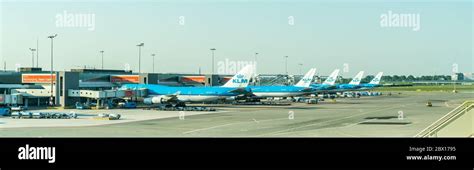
(172, 96)
(239, 90)
(328, 87)
(308, 89)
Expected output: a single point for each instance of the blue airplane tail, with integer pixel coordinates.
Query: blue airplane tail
(241, 79)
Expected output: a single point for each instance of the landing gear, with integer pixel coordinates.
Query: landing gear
(252, 100)
(180, 104)
(292, 99)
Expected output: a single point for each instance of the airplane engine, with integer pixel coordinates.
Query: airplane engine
(156, 100)
(230, 98)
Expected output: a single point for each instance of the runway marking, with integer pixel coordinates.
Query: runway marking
(291, 129)
(349, 125)
(228, 124)
(446, 103)
(213, 127)
(235, 123)
(340, 108)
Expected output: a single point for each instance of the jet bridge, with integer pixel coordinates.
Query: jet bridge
(106, 95)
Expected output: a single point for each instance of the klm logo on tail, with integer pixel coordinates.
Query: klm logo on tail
(357, 78)
(377, 78)
(330, 79)
(239, 78)
(306, 80)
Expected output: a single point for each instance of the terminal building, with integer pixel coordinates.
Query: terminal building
(32, 86)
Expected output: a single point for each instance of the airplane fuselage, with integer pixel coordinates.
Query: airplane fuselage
(322, 87)
(346, 87)
(368, 86)
(187, 94)
(277, 91)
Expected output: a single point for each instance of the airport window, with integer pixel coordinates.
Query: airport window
(61, 82)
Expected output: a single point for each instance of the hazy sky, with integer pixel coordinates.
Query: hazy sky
(324, 35)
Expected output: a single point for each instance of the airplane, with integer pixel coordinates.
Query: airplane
(328, 84)
(301, 88)
(354, 84)
(178, 96)
(372, 84)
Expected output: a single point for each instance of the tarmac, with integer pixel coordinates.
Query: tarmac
(397, 115)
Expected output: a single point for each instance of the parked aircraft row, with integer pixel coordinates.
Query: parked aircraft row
(238, 87)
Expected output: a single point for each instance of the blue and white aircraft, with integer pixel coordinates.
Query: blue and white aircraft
(372, 84)
(354, 84)
(160, 94)
(328, 84)
(301, 88)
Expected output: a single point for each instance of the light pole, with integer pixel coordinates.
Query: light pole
(153, 55)
(139, 56)
(286, 65)
(454, 80)
(51, 71)
(212, 50)
(33, 57)
(102, 52)
(255, 57)
(301, 67)
(37, 52)
(255, 64)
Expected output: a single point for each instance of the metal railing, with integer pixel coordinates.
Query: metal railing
(273, 80)
(433, 129)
